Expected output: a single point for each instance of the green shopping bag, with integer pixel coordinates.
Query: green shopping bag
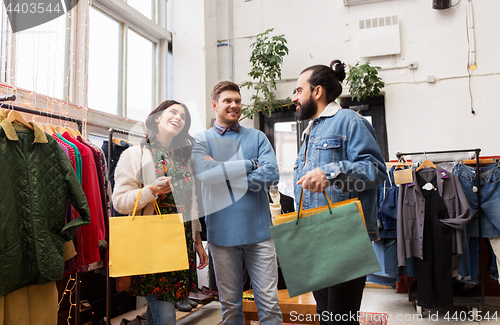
(323, 246)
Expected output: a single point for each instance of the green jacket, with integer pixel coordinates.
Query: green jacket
(36, 182)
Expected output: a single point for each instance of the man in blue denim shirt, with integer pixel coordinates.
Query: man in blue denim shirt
(339, 155)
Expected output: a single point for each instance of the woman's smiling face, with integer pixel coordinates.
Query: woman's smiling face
(172, 121)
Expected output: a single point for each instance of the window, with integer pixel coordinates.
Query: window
(140, 76)
(40, 57)
(104, 63)
(123, 58)
(285, 139)
(145, 7)
(284, 133)
(120, 74)
(3, 45)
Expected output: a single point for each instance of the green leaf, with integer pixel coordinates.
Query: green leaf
(266, 60)
(363, 81)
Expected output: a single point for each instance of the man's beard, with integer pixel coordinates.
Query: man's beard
(307, 110)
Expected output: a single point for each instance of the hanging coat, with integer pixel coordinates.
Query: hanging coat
(36, 182)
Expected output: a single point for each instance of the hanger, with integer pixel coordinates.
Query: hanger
(49, 129)
(5, 110)
(14, 116)
(117, 141)
(71, 132)
(60, 129)
(482, 161)
(77, 132)
(426, 164)
(401, 165)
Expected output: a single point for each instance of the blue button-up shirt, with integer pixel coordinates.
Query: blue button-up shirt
(343, 145)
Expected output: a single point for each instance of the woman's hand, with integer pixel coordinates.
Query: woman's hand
(161, 185)
(202, 254)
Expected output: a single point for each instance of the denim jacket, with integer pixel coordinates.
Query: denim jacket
(343, 145)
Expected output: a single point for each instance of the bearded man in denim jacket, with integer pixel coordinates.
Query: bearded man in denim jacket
(339, 155)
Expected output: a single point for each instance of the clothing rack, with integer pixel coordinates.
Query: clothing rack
(478, 301)
(80, 128)
(40, 113)
(108, 283)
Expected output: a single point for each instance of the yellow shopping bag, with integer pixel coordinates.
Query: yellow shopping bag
(147, 244)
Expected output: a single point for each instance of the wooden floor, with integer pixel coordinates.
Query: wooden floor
(290, 307)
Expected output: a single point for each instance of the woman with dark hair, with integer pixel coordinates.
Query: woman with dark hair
(160, 168)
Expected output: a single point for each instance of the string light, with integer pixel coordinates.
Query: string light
(66, 290)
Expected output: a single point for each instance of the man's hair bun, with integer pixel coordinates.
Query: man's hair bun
(339, 69)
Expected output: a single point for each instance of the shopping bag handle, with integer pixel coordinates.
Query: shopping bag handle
(157, 208)
(302, 202)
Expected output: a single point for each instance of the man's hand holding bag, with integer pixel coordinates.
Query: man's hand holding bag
(323, 246)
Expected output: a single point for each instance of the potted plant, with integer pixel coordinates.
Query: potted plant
(364, 81)
(266, 59)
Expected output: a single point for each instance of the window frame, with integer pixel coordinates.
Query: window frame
(130, 18)
(75, 92)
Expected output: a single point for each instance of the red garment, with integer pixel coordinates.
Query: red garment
(100, 177)
(93, 232)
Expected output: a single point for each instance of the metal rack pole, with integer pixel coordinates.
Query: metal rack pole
(40, 113)
(478, 185)
(400, 154)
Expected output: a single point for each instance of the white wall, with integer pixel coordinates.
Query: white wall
(420, 115)
(193, 30)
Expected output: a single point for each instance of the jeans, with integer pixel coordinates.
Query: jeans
(386, 251)
(160, 312)
(468, 266)
(489, 185)
(490, 197)
(388, 206)
(494, 249)
(261, 263)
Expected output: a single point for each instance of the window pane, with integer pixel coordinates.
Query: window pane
(104, 63)
(3, 38)
(285, 139)
(41, 53)
(145, 7)
(140, 76)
